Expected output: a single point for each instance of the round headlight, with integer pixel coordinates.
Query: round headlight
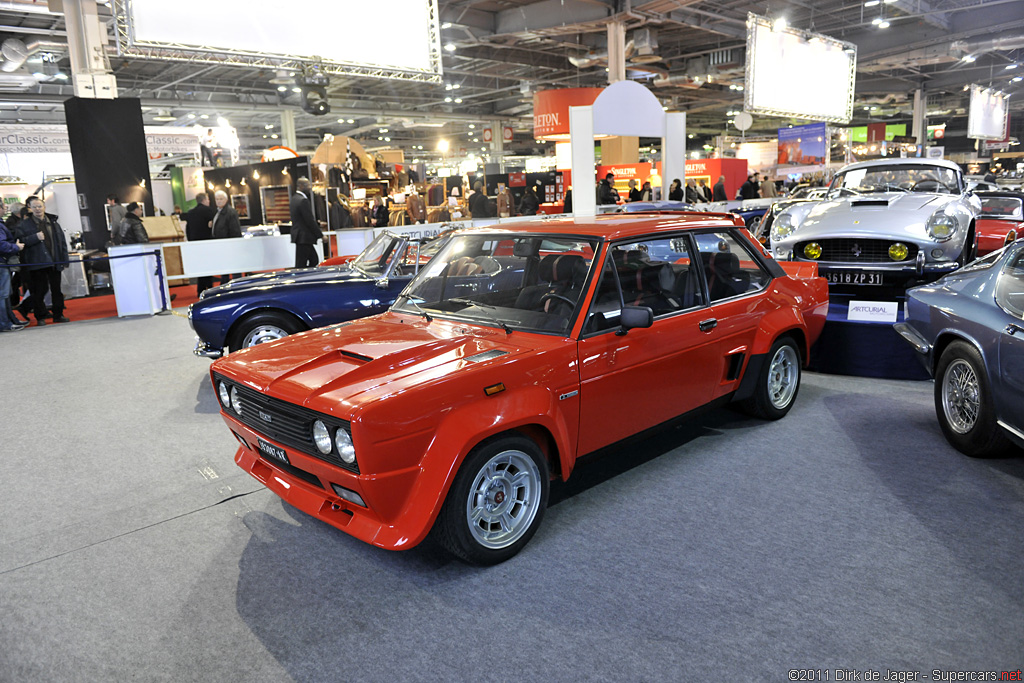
(783, 227)
(225, 397)
(322, 437)
(343, 442)
(236, 404)
(812, 250)
(941, 227)
(898, 252)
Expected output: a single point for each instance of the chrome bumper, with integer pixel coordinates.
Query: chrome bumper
(205, 350)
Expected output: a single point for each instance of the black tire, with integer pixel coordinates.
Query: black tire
(275, 325)
(778, 383)
(484, 489)
(963, 403)
(970, 251)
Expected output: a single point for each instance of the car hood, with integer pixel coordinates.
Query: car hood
(292, 276)
(335, 368)
(871, 215)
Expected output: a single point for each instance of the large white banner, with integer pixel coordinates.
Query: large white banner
(21, 139)
(987, 115)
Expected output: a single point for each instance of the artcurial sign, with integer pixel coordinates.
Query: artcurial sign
(54, 139)
(551, 110)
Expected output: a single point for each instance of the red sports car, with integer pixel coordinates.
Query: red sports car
(1001, 220)
(513, 353)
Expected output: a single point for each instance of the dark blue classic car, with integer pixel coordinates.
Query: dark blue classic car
(261, 308)
(969, 330)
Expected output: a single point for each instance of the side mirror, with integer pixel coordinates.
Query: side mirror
(635, 316)
(381, 283)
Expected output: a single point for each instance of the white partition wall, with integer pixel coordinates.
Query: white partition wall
(581, 141)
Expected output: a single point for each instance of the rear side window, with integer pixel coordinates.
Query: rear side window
(1010, 285)
(730, 269)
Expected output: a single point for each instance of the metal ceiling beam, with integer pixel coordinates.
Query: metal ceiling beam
(549, 14)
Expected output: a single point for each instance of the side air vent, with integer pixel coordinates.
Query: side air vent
(356, 356)
(486, 355)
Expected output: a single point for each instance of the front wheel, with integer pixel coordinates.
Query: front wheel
(262, 328)
(963, 403)
(496, 502)
(777, 383)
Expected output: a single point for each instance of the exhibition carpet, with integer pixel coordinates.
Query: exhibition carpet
(103, 305)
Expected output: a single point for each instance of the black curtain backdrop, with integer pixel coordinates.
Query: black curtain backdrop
(108, 150)
(255, 176)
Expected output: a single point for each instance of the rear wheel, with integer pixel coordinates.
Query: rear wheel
(778, 382)
(496, 502)
(963, 403)
(262, 328)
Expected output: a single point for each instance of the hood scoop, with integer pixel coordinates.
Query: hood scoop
(356, 356)
(486, 355)
(870, 202)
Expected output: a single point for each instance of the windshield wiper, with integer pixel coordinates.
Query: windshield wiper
(426, 315)
(495, 319)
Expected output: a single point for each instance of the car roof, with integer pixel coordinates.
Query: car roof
(941, 163)
(614, 225)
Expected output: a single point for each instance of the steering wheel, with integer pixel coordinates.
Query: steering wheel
(930, 180)
(549, 296)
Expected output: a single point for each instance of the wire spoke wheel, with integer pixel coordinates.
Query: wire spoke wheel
(783, 377)
(503, 499)
(961, 396)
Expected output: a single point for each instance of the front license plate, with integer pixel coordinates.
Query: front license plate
(839, 277)
(273, 451)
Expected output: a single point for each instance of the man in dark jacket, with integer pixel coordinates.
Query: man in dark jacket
(750, 189)
(478, 201)
(718, 192)
(225, 223)
(116, 214)
(44, 257)
(132, 229)
(197, 227)
(529, 204)
(306, 230)
(606, 192)
(10, 251)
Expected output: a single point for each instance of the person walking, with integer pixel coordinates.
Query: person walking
(115, 214)
(44, 257)
(132, 229)
(306, 230)
(718, 192)
(10, 252)
(197, 228)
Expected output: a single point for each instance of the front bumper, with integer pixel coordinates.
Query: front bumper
(206, 350)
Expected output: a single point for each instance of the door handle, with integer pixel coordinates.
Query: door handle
(1013, 328)
(707, 325)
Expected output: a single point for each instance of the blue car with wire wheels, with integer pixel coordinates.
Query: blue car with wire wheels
(968, 328)
(252, 310)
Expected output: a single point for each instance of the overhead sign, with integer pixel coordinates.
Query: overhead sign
(796, 73)
(551, 110)
(803, 145)
(18, 139)
(289, 35)
(987, 117)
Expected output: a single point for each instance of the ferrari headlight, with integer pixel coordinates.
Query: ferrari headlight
(812, 250)
(222, 392)
(236, 404)
(343, 442)
(941, 226)
(898, 252)
(322, 437)
(783, 227)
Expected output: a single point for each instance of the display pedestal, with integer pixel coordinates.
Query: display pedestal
(136, 282)
(864, 348)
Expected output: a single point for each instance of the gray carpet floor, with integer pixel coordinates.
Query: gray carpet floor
(848, 535)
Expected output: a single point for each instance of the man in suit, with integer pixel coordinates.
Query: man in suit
(225, 222)
(306, 230)
(45, 255)
(718, 193)
(197, 227)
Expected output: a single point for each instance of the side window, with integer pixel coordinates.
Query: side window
(1010, 286)
(657, 273)
(729, 267)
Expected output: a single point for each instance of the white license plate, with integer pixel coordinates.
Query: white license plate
(838, 277)
(273, 451)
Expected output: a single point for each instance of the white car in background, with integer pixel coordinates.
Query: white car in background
(888, 222)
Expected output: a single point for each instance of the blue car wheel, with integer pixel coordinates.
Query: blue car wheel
(963, 403)
(261, 328)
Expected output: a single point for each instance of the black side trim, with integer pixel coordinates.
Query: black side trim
(749, 381)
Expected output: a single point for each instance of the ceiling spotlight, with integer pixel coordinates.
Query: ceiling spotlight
(204, 116)
(780, 24)
(969, 58)
(273, 136)
(442, 146)
(450, 47)
(884, 23)
(456, 86)
(1010, 67)
(446, 24)
(191, 115)
(472, 126)
(872, 3)
(447, 99)
(876, 21)
(282, 88)
(1016, 79)
(447, 86)
(387, 139)
(458, 100)
(268, 126)
(350, 121)
(296, 89)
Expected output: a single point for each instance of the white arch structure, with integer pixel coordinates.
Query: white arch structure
(623, 108)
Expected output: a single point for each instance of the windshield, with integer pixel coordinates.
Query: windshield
(527, 282)
(1002, 207)
(896, 178)
(379, 254)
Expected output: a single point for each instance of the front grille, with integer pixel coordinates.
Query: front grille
(855, 250)
(289, 424)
